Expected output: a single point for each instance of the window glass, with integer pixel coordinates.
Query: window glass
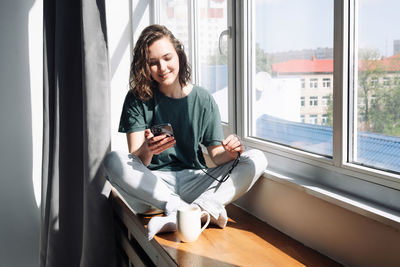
(210, 55)
(326, 82)
(314, 101)
(313, 119)
(293, 59)
(213, 52)
(376, 133)
(174, 15)
(324, 119)
(325, 100)
(313, 83)
(302, 101)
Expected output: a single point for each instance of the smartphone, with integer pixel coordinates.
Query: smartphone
(164, 128)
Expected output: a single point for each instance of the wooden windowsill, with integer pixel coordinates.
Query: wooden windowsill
(246, 241)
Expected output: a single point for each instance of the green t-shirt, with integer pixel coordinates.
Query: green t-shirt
(195, 120)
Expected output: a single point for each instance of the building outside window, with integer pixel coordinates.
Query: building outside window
(302, 101)
(313, 119)
(326, 82)
(325, 101)
(374, 81)
(313, 101)
(324, 119)
(313, 83)
(386, 81)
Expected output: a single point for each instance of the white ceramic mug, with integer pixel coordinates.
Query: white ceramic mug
(189, 223)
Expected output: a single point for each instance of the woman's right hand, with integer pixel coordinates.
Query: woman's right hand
(159, 143)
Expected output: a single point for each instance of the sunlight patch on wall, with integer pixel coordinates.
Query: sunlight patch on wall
(36, 83)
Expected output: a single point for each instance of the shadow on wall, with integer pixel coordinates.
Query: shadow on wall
(124, 40)
(20, 216)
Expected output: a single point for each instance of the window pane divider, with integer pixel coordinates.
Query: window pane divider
(340, 77)
(193, 33)
(242, 36)
(154, 8)
(353, 82)
(232, 72)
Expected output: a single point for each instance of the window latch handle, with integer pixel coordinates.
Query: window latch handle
(227, 32)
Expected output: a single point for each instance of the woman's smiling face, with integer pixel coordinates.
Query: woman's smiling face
(164, 63)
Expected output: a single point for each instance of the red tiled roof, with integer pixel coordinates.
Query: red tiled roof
(303, 65)
(326, 65)
(211, 13)
(385, 64)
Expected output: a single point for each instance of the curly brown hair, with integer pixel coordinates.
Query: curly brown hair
(140, 81)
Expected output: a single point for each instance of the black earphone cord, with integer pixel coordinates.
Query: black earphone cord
(227, 175)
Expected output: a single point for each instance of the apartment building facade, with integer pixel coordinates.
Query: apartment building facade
(316, 76)
(316, 79)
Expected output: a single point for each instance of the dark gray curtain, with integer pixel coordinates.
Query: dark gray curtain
(76, 216)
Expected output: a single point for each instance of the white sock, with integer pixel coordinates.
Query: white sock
(161, 225)
(221, 221)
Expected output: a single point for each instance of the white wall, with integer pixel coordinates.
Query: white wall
(21, 25)
(122, 17)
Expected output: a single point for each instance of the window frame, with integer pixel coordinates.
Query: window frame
(324, 101)
(313, 83)
(339, 173)
(313, 101)
(326, 82)
(324, 119)
(313, 119)
(335, 172)
(194, 42)
(386, 81)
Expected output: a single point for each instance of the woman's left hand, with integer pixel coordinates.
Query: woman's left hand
(233, 144)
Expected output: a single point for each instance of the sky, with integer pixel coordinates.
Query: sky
(283, 25)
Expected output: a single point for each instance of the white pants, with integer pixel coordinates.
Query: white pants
(165, 190)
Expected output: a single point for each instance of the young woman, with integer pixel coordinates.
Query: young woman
(167, 172)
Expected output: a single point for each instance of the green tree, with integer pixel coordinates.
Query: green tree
(329, 111)
(378, 104)
(385, 110)
(217, 59)
(263, 62)
(369, 71)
